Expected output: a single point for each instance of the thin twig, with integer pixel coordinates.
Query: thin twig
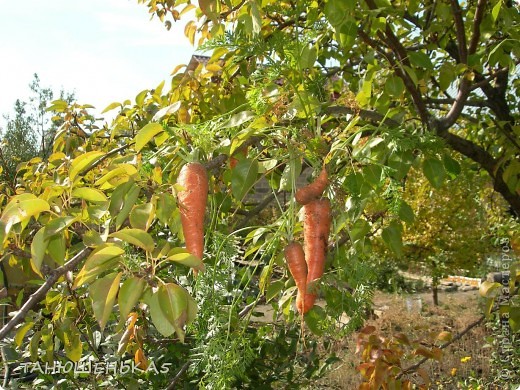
(176, 378)
(39, 294)
(254, 212)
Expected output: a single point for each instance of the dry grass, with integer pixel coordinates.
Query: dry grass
(464, 359)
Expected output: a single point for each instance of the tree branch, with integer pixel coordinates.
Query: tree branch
(373, 116)
(39, 294)
(472, 103)
(477, 20)
(459, 31)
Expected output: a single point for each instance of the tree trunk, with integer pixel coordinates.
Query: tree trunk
(435, 290)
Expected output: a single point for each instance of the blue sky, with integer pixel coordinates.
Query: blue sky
(104, 50)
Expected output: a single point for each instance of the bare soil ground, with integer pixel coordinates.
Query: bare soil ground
(463, 359)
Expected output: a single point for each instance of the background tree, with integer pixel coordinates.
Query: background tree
(453, 230)
(31, 131)
(18, 141)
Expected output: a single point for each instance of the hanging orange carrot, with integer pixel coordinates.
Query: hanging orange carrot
(313, 190)
(192, 203)
(295, 259)
(316, 228)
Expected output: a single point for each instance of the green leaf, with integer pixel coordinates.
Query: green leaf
(308, 56)
(400, 164)
(58, 225)
(174, 303)
(256, 18)
(57, 106)
(73, 345)
(83, 162)
(144, 135)
(166, 205)
(394, 86)
(93, 239)
(163, 324)
(359, 229)
(447, 75)
(420, 59)
(451, 165)
(139, 99)
(103, 295)
(99, 261)
(120, 170)
(496, 10)
(373, 174)
(274, 289)
(243, 178)
(336, 10)
(38, 248)
(347, 34)
(135, 237)
(315, 320)
(2, 232)
(122, 201)
(34, 344)
(433, 169)
(18, 339)
(57, 249)
(142, 216)
(406, 212)
(111, 106)
(392, 237)
(89, 194)
(129, 294)
(182, 256)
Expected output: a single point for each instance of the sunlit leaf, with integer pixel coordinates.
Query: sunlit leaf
(57, 225)
(111, 106)
(38, 248)
(136, 237)
(57, 248)
(146, 134)
(129, 294)
(489, 289)
(142, 216)
(182, 256)
(100, 260)
(83, 162)
(434, 171)
(20, 334)
(89, 194)
(243, 178)
(392, 237)
(103, 294)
